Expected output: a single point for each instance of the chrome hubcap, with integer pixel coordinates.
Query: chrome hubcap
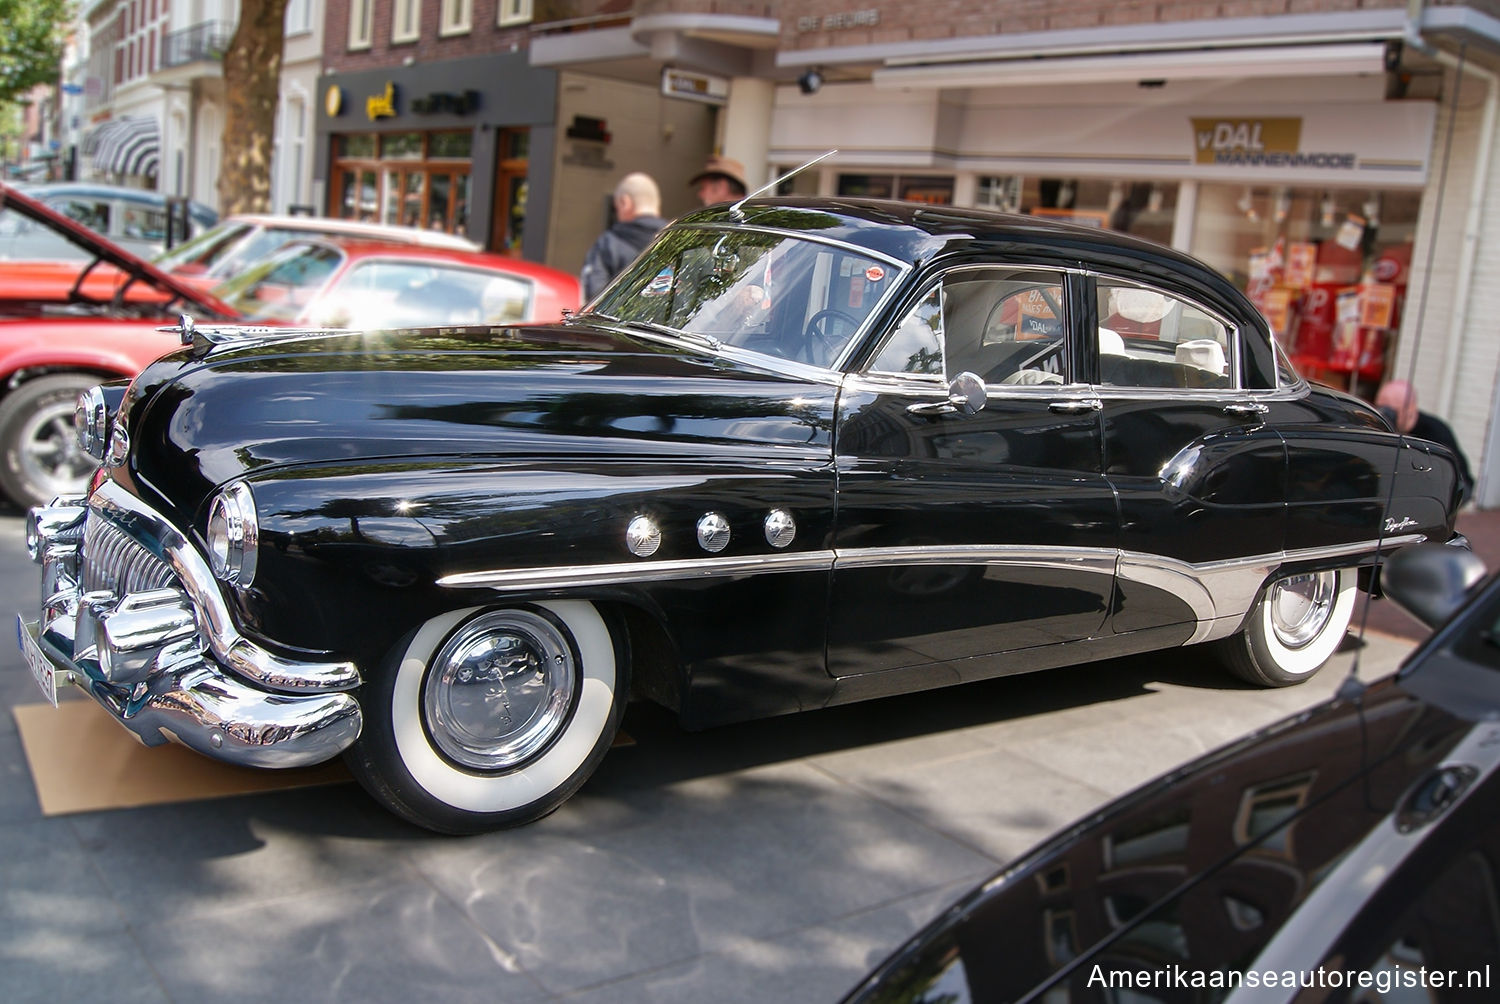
(500, 689)
(1301, 606)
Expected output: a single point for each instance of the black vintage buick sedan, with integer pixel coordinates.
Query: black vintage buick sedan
(802, 452)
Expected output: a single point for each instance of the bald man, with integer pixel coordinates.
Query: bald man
(1397, 400)
(637, 202)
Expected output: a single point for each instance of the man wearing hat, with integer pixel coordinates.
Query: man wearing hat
(721, 180)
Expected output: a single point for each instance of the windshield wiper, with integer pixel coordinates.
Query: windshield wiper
(666, 329)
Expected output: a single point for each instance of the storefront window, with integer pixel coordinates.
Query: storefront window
(419, 179)
(1143, 208)
(451, 144)
(510, 192)
(401, 146)
(933, 190)
(1328, 268)
(354, 145)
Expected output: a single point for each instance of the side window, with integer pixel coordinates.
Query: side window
(1148, 338)
(1005, 325)
(91, 213)
(916, 346)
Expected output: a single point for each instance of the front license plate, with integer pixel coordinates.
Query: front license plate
(41, 667)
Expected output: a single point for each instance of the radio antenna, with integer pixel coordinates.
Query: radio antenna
(735, 209)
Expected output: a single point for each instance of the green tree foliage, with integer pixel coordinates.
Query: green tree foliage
(31, 42)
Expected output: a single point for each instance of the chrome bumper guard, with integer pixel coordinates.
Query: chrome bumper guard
(131, 614)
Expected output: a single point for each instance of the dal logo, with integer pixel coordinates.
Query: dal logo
(1218, 141)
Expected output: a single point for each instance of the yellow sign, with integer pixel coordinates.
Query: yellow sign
(333, 100)
(382, 106)
(1215, 139)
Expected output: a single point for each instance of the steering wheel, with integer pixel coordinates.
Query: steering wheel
(821, 333)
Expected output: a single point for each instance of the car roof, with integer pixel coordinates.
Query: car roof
(914, 230)
(357, 248)
(355, 228)
(43, 190)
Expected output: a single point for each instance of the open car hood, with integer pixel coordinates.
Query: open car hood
(173, 294)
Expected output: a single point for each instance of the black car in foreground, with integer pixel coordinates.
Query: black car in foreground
(801, 453)
(1351, 853)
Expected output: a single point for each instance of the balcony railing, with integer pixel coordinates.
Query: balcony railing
(204, 42)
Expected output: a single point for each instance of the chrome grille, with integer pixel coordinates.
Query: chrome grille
(115, 561)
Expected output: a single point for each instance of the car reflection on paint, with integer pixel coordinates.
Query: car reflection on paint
(801, 452)
(1348, 853)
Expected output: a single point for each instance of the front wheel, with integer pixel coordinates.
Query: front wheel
(492, 717)
(1293, 629)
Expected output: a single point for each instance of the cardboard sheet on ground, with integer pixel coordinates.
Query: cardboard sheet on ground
(83, 761)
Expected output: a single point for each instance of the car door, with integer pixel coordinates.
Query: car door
(1200, 475)
(959, 535)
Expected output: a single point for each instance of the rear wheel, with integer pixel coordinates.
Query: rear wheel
(40, 458)
(1294, 628)
(492, 717)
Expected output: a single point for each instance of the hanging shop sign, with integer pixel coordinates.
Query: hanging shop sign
(703, 87)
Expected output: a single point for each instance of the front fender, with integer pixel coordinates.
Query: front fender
(352, 557)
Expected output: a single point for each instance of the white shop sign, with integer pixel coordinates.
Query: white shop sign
(1370, 144)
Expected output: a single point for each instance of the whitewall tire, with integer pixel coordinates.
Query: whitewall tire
(1296, 626)
(492, 717)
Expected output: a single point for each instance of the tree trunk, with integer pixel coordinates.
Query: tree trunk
(252, 81)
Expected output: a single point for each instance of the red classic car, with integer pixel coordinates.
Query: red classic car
(65, 325)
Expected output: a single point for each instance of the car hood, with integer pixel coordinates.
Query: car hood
(202, 418)
(1215, 867)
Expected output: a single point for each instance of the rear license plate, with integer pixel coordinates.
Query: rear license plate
(41, 667)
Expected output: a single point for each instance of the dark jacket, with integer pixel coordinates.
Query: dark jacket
(1430, 427)
(616, 248)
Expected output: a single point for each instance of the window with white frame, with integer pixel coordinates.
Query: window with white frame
(361, 23)
(406, 21)
(458, 17)
(298, 17)
(513, 12)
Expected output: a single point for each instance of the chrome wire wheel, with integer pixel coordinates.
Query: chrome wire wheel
(500, 690)
(1301, 605)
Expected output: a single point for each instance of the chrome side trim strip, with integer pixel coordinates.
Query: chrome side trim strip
(1098, 559)
(1219, 593)
(621, 573)
(224, 640)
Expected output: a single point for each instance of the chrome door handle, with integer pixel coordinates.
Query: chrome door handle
(1076, 407)
(1246, 409)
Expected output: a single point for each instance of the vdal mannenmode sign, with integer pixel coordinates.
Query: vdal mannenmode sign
(1258, 142)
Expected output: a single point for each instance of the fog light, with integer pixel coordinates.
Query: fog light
(232, 535)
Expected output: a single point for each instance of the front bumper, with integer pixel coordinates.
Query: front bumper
(131, 614)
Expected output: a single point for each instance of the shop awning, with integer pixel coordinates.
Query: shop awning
(129, 145)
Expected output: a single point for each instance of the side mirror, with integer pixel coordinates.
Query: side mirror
(1431, 581)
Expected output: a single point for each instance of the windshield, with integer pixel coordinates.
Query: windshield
(780, 295)
(205, 249)
(279, 288)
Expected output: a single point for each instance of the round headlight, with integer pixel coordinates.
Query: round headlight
(91, 422)
(232, 535)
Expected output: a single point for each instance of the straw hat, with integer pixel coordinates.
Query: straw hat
(721, 167)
